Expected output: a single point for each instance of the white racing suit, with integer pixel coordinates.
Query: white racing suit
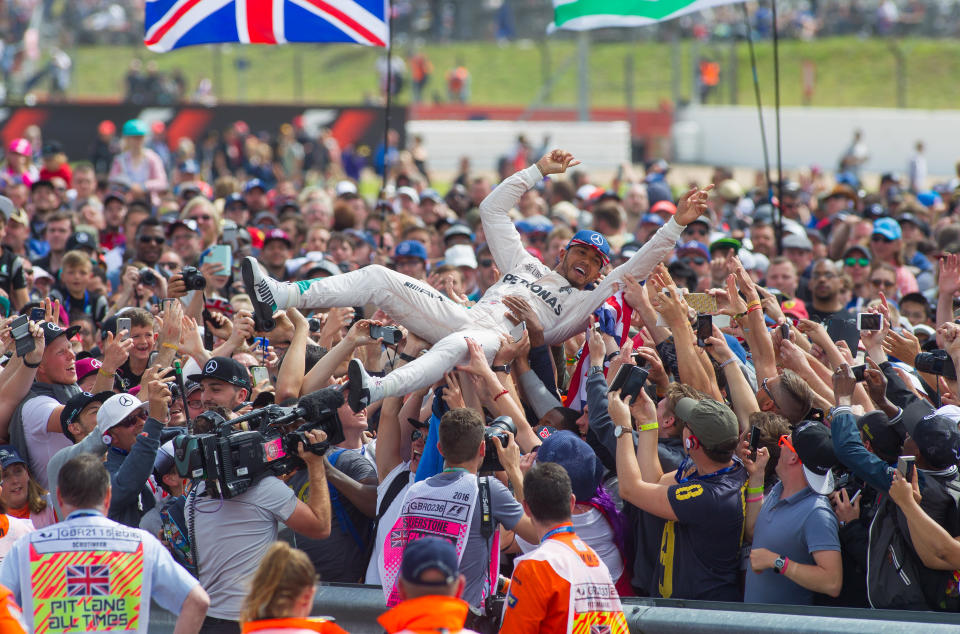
(562, 309)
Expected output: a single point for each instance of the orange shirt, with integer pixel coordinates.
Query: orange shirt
(562, 586)
(10, 616)
(293, 626)
(428, 614)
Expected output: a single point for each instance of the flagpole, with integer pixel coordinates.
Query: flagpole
(386, 124)
(756, 93)
(776, 108)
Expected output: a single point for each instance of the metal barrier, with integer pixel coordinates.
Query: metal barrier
(356, 608)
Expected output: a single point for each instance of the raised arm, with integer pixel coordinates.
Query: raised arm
(502, 237)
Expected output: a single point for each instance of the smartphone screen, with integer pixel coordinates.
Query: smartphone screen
(869, 321)
(704, 329)
(259, 374)
(37, 314)
(858, 372)
(123, 323)
(906, 465)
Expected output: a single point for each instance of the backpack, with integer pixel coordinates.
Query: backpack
(896, 576)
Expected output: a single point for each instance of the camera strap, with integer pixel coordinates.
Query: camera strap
(486, 512)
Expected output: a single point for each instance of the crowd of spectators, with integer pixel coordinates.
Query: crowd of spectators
(795, 439)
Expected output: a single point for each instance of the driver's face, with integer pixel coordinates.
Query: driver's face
(581, 265)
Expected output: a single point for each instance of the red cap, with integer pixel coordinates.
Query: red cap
(663, 205)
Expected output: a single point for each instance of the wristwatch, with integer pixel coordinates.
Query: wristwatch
(501, 368)
(595, 369)
(779, 564)
(619, 430)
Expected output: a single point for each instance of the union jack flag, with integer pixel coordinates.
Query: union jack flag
(171, 24)
(88, 581)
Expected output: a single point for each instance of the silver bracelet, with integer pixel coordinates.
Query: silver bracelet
(727, 362)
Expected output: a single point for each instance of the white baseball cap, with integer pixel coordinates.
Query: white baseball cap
(460, 255)
(115, 409)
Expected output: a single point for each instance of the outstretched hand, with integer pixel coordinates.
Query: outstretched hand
(692, 205)
(556, 162)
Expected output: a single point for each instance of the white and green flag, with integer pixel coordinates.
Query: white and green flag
(583, 15)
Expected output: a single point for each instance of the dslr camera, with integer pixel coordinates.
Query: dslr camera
(148, 277)
(495, 432)
(193, 278)
(936, 362)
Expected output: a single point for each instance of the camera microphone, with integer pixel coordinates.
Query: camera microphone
(316, 405)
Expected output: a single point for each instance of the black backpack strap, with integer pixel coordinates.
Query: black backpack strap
(399, 482)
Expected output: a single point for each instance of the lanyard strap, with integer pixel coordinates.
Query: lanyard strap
(566, 528)
(453, 469)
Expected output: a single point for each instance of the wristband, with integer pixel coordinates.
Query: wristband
(740, 316)
(753, 303)
(610, 356)
(753, 308)
(170, 345)
(32, 366)
(786, 562)
(103, 372)
(649, 426)
(500, 394)
(403, 356)
(755, 490)
(758, 498)
(727, 362)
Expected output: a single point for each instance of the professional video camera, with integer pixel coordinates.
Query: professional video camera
(494, 432)
(936, 362)
(235, 459)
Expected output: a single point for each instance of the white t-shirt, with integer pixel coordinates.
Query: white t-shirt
(388, 520)
(594, 529)
(42, 444)
(17, 529)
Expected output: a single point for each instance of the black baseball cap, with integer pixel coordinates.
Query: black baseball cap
(938, 441)
(83, 239)
(51, 331)
(225, 369)
(71, 410)
(814, 446)
(429, 553)
(884, 437)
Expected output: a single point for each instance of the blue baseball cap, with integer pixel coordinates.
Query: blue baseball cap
(577, 458)
(651, 219)
(429, 553)
(9, 455)
(888, 228)
(534, 224)
(593, 240)
(411, 249)
(693, 245)
(254, 183)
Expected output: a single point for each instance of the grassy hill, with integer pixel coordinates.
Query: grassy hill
(849, 71)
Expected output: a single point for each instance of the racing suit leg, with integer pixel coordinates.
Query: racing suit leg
(410, 302)
(430, 368)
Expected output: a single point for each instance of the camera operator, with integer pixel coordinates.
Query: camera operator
(134, 439)
(35, 428)
(224, 384)
(231, 536)
(138, 568)
(463, 446)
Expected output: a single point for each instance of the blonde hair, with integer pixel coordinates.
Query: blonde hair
(283, 575)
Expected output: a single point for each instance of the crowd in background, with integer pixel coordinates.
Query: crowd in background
(795, 350)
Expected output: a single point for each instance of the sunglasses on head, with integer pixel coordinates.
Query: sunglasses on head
(153, 239)
(857, 262)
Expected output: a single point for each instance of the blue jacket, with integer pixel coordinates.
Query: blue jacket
(131, 496)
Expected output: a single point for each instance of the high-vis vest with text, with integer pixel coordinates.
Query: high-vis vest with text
(87, 574)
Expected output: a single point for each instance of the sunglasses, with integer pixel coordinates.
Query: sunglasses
(879, 238)
(153, 239)
(857, 262)
(766, 390)
(883, 283)
(697, 261)
(699, 232)
(785, 442)
(133, 419)
(486, 263)
(200, 217)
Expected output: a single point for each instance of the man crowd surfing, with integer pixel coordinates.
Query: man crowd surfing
(551, 393)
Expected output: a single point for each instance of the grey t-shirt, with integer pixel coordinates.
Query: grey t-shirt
(339, 557)
(475, 563)
(232, 537)
(796, 527)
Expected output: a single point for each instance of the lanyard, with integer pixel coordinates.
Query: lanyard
(683, 466)
(566, 528)
(452, 469)
(77, 514)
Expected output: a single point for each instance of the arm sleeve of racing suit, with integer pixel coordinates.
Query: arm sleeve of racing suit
(502, 237)
(853, 455)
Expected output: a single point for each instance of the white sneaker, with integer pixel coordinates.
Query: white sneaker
(267, 294)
